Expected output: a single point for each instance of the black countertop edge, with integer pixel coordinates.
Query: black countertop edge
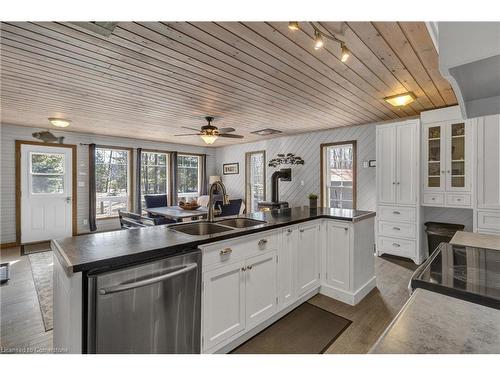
(192, 242)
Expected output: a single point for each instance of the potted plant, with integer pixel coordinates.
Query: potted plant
(313, 200)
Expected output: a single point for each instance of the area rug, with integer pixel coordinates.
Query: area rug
(35, 248)
(41, 268)
(306, 330)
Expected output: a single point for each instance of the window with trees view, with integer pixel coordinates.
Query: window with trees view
(112, 169)
(339, 175)
(188, 176)
(154, 173)
(47, 173)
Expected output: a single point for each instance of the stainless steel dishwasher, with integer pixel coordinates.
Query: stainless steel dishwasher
(153, 307)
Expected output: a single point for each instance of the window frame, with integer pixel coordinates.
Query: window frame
(248, 189)
(323, 163)
(168, 174)
(130, 179)
(199, 172)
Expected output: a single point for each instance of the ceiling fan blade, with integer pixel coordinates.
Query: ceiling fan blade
(187, 127)
(230, 135)
(226, 130)
(184, 135)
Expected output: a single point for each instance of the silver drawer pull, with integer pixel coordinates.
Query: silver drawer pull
(249, 267)
(153, 280)
(289, 230)
(396, 228)
(458, 199)
(346, 228)
(226, 251)
(396, 212)
(433, 198)
(262, 242)
(243, 269)
(301, 230)
(396, 244)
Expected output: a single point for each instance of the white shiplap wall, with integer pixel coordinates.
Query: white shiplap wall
(10, 133)
(307, 146)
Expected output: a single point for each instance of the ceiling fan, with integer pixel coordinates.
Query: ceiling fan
(210, 133)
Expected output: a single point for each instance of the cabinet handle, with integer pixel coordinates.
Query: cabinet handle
(301, 230)
(346, 228)
(442, 172)
(243, 269)
(396, 244)
(397, 183)
(289, 230)
(249, 267)
(396, 212)
(262, 242)
(433, 198)
(448, 171)
(396, 228)
(226, 251)
(394, 182)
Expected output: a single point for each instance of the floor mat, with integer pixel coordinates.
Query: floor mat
(41, 267)
(306, 330)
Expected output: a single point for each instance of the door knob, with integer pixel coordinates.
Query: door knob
(68, 199)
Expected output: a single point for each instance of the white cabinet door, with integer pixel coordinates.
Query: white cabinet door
(223, 303)
(458, 156)
(287, 249)
(338, 250)
(406, 164)
(434, 157)
(488, 162)
(386, 161)
(261, 294)
(307, 258)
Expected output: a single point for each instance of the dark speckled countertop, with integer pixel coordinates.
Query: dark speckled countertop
(100, 250)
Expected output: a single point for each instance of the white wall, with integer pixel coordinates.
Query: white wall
(307, 146)
(10, 133)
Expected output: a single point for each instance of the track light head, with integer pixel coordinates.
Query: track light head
(318, 40)
(294, 25)
(345, 53)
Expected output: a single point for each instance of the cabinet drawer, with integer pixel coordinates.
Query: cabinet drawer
(397, 246)
(397, 229)
(397, 213)
(458, 200)
(238, 248)
(488, 221)
(434, 198)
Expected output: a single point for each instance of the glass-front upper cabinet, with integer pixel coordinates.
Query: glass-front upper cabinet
(446, 157)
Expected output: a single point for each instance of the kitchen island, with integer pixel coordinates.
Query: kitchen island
(292, 254)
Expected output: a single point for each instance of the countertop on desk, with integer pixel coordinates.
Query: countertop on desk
(98, 250)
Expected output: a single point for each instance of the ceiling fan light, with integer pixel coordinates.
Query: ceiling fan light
(345, 53)
(318, 40)
(400, 99)
(209, 138)
(294, 25)
(59, 122)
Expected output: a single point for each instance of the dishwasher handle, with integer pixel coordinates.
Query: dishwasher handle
(153, 280)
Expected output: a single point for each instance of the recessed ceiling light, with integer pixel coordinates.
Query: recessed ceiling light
(267, 131)
(59, 122)
(400, 99)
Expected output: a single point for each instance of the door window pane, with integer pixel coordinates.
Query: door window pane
(154, 174)
(458, 155)
(339, 176)
(188, 176)
(434, 157)
(256, 179)
(47, 173)
(112, 181)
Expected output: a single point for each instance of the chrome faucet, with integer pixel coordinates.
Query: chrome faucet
(212, 211)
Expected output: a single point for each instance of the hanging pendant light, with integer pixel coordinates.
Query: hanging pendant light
(294, 25)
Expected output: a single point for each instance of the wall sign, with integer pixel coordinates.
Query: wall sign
(231, 168)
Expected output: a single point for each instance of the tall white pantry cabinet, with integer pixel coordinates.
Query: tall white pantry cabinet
(398, 223)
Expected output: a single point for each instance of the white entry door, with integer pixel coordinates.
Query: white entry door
(46, 192)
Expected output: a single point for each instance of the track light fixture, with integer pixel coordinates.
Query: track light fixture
(319, 41)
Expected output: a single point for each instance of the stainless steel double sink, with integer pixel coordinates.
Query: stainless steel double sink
(202, 228)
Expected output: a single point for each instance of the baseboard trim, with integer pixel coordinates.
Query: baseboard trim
(248, 335)
(348, 297)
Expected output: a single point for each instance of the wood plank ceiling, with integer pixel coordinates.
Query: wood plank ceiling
(148, 79)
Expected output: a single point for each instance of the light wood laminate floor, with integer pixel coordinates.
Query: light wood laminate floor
(22, 326)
